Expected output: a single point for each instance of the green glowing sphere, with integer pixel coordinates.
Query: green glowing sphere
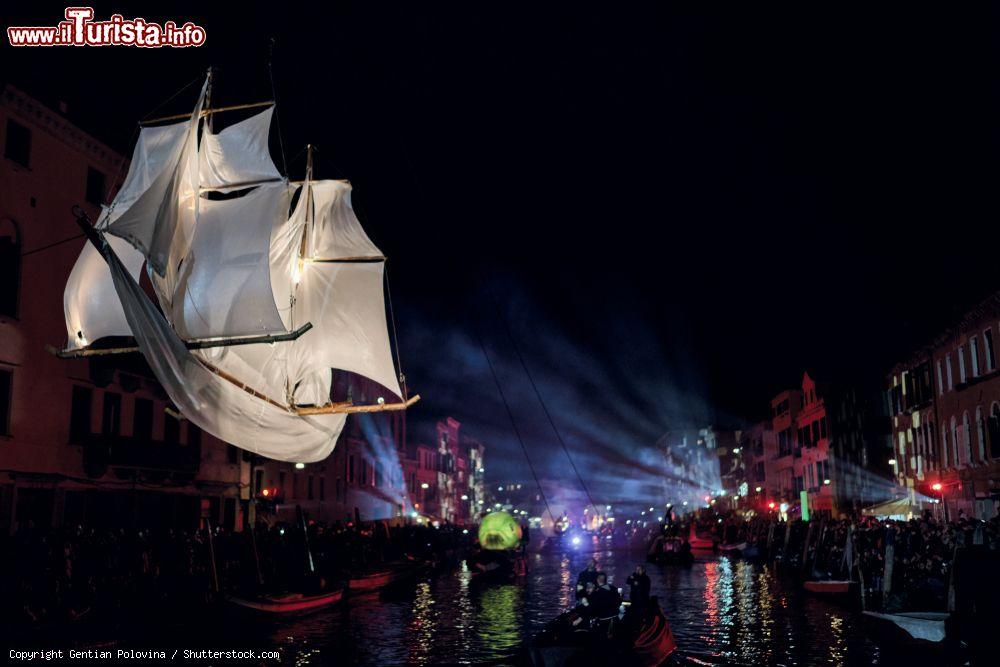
(499, 531)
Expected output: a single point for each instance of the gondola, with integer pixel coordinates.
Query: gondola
(379, 578)
(639, 638)
(669, 551)
(832, 587)
(287, 603)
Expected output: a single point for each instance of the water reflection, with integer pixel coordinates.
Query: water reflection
(722, 612)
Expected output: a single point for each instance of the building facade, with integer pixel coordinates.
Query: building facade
(82, 440)
(945, 404)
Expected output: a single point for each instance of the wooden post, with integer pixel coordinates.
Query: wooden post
(805, 549)
(211, 555)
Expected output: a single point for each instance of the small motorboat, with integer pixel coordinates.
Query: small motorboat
(287, 603)
(829, 586)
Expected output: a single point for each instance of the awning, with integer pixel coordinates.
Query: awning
(898, 508)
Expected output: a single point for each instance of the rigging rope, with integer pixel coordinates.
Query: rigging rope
(167, 101)
(517, 432)
(274, 96)
(395, 336)
(541, 401)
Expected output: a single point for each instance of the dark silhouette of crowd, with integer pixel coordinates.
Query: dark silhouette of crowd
(71, 575)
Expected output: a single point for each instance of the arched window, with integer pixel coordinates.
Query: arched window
(994, 431)
(966, 439)
(981, 433)
(944, 446)
(10, 267)
(955, 448)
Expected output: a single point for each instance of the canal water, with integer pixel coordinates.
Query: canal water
(722, 611)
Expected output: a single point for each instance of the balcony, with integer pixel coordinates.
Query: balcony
(156, 459)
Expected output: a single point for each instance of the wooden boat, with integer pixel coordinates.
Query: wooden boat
(287, 603)
(914, 629)
(669, 551)
(829, 586)
(387, 575)
(698, 542)
(646, 641)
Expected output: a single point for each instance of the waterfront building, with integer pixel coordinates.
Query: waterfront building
(945, 404)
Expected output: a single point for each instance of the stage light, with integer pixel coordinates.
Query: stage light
(936, 486)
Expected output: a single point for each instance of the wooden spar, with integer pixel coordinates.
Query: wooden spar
(195, 344)
(250, 184)
(346, 260)
(244, 386)
(347, 408)
(208, 112)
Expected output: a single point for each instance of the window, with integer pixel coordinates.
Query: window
(944, 447)
(988, 350)
(112, 416)
(281, 483)
(258, 481)
(18, 145)
(961, 363)
(6, 391)
(142, 420)
(79, 415)
(171, 429)
(940, 382)
(194, 436)
(232, 454)
(981, 433)
(994, 431)
(974, 351)
(10, 267)
(95, 186)
(947, 364)
(364, 472)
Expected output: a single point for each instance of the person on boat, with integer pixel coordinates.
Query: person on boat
(638, 587)
(588, 575)
(583, 612)
(605, 602)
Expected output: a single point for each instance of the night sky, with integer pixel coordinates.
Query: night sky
(675, 210)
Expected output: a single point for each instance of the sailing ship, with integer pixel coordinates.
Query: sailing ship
(262, 285)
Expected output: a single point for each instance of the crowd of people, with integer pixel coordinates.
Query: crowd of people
(65, 576)
(922, 550)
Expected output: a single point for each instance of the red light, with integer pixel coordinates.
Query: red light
(771, 504)
(265, 492)
(707, 498)
(936, 486)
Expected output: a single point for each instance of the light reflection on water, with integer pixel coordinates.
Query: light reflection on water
(721, 611)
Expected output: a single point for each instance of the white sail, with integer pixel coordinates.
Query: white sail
(90, 303)
(215, 404)
(337, 233)
(346, 305)
(224, 284)
(238, 154)
(151, 222)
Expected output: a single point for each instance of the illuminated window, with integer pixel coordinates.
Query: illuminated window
(947, 366)
(940, 382)
(961, 363)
